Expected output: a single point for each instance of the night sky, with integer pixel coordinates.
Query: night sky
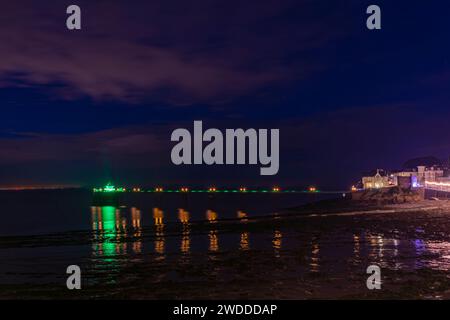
(84, 107)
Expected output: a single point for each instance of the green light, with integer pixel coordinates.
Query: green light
(109, 218)
(109, 188)
(109, 228)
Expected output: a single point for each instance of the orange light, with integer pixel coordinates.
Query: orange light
(241, 214)
(312, 189)
(275, 189)
(212, 189)
(242, 189)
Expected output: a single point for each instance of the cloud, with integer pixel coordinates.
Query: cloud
(169, 50)
(328, 149)
(120, 142)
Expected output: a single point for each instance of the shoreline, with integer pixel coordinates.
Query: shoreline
(286, 257)
(341, 207)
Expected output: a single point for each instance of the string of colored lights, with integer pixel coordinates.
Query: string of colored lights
(443, 184)
(110, 189)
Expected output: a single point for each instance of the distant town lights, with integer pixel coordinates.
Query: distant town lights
(275, 189)
(443, 184)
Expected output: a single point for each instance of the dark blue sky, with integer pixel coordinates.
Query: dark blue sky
(83, 107)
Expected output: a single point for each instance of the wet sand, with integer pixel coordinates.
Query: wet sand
(309, 253)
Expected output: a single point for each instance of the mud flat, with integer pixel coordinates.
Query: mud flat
(306, 257)
(315, 251)
(337, 207)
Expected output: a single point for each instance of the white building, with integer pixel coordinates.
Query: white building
(379, 180)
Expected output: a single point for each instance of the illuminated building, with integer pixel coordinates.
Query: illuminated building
(416, 178)
(376, 181)
(430, 173)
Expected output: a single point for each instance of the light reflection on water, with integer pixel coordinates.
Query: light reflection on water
(157, 245)
(244, 244)
(118, 232)
(185, 246)
(221, 249)
(442, 251)
(356, 250)
(315, 258)
(277, 242)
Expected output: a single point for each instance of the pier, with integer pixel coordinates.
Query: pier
(274, 190)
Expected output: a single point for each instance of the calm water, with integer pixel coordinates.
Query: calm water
(40, 212)
(192, 247)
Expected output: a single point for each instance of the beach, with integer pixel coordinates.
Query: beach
(291, 255)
